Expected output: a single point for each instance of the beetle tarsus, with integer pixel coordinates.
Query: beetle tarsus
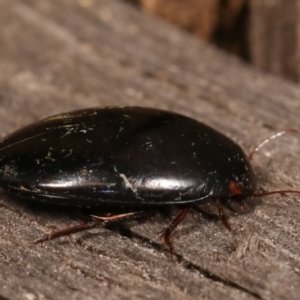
(166, 234)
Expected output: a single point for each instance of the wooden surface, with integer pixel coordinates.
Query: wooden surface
(61, 55)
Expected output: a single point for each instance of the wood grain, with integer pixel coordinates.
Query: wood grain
(274, 37)
(60, 55)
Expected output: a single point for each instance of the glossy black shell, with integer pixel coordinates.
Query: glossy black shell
(122, 155)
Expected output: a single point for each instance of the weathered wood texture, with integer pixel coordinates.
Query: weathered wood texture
(274, 37)
(57, 56)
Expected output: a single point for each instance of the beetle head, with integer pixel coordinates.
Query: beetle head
(235, 188)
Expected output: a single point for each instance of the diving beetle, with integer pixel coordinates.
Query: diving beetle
(132, 158)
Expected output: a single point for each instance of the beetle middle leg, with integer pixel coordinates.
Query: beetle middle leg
(96, 222)
(168, 231)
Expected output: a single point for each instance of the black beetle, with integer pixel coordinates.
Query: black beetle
(129, 157)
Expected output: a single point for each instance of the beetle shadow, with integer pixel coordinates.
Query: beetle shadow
(60, 214)
(209, 210)
(32, 207)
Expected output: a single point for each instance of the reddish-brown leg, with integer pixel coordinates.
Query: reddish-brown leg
(168, 231)
(96, 222)
(222, 215)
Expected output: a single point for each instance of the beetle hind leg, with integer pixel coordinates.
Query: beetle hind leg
(166, 233)
(68, 230)
(97, 221)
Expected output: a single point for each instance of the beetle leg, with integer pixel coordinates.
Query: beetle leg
(114, 217)
(97, 222)
(168, 231)
(222, 215)
(68, 230)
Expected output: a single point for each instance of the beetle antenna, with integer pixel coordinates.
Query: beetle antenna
(283, 192)
(278, 134)
(291, 130)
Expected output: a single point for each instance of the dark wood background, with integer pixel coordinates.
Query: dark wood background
(264, 33)
(62, 55)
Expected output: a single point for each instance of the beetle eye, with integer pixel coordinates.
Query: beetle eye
(235, 188)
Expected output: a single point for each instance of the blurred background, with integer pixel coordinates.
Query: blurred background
(262, 32)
